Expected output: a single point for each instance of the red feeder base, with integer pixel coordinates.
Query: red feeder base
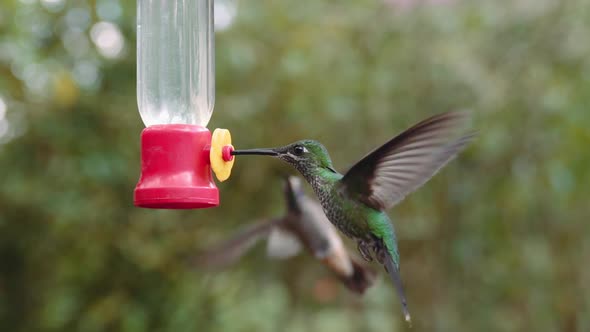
(175, 168)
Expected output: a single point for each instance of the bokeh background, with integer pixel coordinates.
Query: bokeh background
(498, 241)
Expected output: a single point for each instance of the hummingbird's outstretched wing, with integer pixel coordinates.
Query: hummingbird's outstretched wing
(282, 244)
(228, 252)
(385, 176)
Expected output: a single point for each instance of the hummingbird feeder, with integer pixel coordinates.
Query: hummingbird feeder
(175, 96)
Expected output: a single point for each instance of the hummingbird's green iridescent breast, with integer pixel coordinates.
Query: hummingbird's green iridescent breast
(349, 215)
(352, 217)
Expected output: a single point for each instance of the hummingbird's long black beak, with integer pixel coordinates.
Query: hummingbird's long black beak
(263, 152)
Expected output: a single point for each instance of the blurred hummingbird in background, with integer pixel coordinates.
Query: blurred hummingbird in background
(355, 202)
(304, 225)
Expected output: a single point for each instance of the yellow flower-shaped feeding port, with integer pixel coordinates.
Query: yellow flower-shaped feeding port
(220, 155)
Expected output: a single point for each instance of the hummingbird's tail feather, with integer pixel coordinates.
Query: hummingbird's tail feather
(361, 279)
(397, 282)
(228, 252)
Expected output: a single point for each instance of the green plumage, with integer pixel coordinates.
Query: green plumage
(381, 226)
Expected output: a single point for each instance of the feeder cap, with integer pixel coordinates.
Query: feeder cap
(221, 159)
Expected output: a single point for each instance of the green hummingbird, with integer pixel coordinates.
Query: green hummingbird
(303, 226)
(355, 202)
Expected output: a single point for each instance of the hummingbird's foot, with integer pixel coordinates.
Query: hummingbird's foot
(379, 250)
(363, 248)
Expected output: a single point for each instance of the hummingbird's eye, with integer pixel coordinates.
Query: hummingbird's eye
(299, 150)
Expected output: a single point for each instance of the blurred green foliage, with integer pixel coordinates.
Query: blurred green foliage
(498, 241)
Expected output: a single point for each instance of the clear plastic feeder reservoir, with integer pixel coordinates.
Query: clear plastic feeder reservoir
(175, 63)
(175, 95)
